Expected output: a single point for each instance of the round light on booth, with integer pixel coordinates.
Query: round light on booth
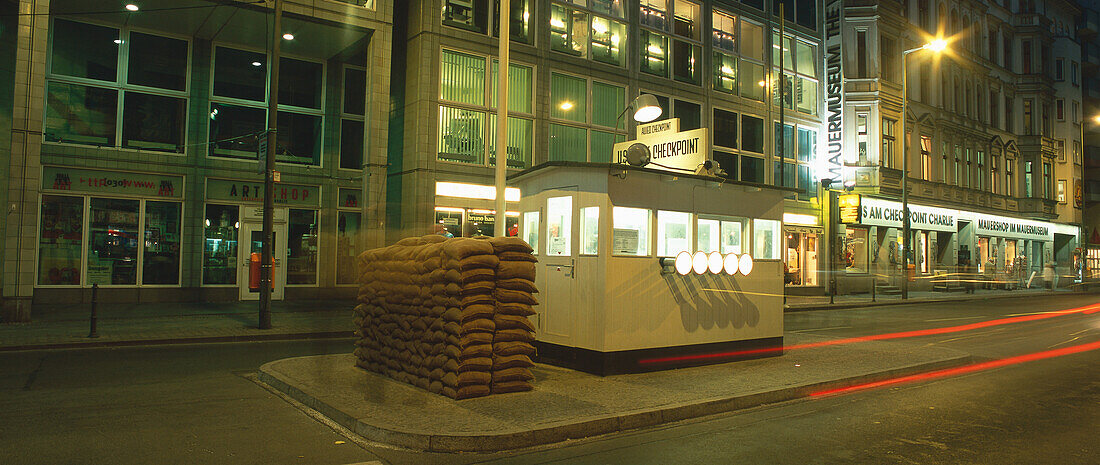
(730, 264)
(745, 264)
(683, 263)
(715, 262)
(699, 262)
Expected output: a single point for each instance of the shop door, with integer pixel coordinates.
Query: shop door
(252, 246)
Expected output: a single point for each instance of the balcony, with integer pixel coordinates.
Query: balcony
(1036, 145)
(1089, 23)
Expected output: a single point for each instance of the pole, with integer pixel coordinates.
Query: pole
(269, 171)
(782, 102)
(499, 228)
(904, 181)
(95, 303)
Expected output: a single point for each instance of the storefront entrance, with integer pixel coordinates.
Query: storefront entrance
(248, 277)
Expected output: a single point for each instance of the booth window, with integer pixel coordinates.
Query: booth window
(531, 229)
(161, 256)
(673, 233)
(113, 241)
(630, 231)
(766, 239)
(559, 221)
(219, 250)
(301, 254)
(60, 240)
(720, 234)
(590, 230)
(855, 250)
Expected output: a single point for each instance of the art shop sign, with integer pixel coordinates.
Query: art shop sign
(58, 178)
(297, 195)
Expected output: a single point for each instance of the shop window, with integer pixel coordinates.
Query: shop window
(347, 246)
(766, 239)
(590, 230)
(630, 231)
(654, 13)
(752, 80)
(531, 230)
(725, 73)
(240, 74)
(471, 15)
(298, 139)
(460, 135)
(80, 114)
(673, 233)
(723, 235)
(228, 125)
(113, 241)
(569, 97)
(60, 240)
(219, 251)
(568, 30)
(153, 122)
(607, 39)
(301, 254)
(355, 91)
(463, 78)
(725, 128)
(85, 50)
(519, 139)
(351, 144)
(724, 31)
(157, 61)
(752, 169)
(161, 253)
(568, 143)
(603, 145)
(855, 250)
(559, 223)
(654, 49)
(449, 221)
(752, 134)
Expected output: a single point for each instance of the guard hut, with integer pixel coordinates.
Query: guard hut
(645, 269)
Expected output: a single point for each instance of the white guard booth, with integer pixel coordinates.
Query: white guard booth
(611, 297)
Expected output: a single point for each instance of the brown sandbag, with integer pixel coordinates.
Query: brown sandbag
(516, 284)
(477, 287)
(467, 378)
(508, 295)
(474, 262)
(509, 348)
(469, 339)
(461, 247)
(449, 392)
(516, 269)
(432, 238)
(476, 311)
(474, 351)
(513, 322)
(483, 364)
(477, 298)
(510, 244)
(450, 379)
(502, 362)
(517, 256)
(512, 308)
(484, 325)
(511, 386)
(512, 374)
(452, 351)
(468, 392)
(478, 274)
(409, 241)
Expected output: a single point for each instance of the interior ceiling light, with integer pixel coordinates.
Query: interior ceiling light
(131, 7)
(288, 36)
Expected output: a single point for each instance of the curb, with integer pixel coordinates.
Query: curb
(582, 428)
(177, 341)
(882, 303)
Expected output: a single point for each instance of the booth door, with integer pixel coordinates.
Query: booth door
(558, 253)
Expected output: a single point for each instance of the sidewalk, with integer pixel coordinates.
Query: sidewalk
(805, 303)
(62, 326)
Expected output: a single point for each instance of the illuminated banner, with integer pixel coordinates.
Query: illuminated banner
(1014, 228)
(849, 208)
(57, 178)
(678, 152)
(661, 127)
(832, 165)
(875, 212)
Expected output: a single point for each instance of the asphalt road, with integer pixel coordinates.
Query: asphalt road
(196, 404)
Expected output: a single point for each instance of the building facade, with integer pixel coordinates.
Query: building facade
(575, 66)
(134, 137)
(993, 134)
(1088, 28)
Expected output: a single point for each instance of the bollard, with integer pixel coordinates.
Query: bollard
(831, 294)
(95, 298)
(874, 288)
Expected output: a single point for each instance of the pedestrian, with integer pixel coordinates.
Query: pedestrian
(1048, 276)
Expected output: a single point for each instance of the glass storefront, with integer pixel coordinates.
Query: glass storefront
(301, 255)
(113, 238)
(469, 222)
(855, 250)
(801, 259)
(60, 240)
(219, 250)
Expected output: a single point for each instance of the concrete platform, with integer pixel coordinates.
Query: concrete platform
(568, 404)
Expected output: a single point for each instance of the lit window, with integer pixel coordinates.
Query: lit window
(766, 239)
(590, 230)
(630, 231)
(673, 233)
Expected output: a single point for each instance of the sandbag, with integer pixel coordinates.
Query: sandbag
(478, 274)
(511, 386)
(478, 350)
(475, 311)
(475, 262)
(469, 392)
(510, 244)
(511, 374)
(508, 295)
(516, 284)
(479, 325)
(502, 362)
(512, 308)
(516, 269)
(460, 248)
(513, 322)
(482, 364)
(517, 256)
(469, 339)
(507, 348)
(467, 378)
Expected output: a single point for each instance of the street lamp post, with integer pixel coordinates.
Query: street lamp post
(935, 46)
(501, 168)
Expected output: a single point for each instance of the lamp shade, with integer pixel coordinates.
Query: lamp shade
(646, 108)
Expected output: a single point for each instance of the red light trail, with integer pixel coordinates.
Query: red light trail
(964, 369)
(1086, 310)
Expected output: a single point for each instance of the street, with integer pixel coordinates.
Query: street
(197, 404)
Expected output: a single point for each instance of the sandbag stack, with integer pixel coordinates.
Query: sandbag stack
(515, 284)
(430, 314)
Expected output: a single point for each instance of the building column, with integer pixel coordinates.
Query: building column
(377, 156)
(25, 162)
